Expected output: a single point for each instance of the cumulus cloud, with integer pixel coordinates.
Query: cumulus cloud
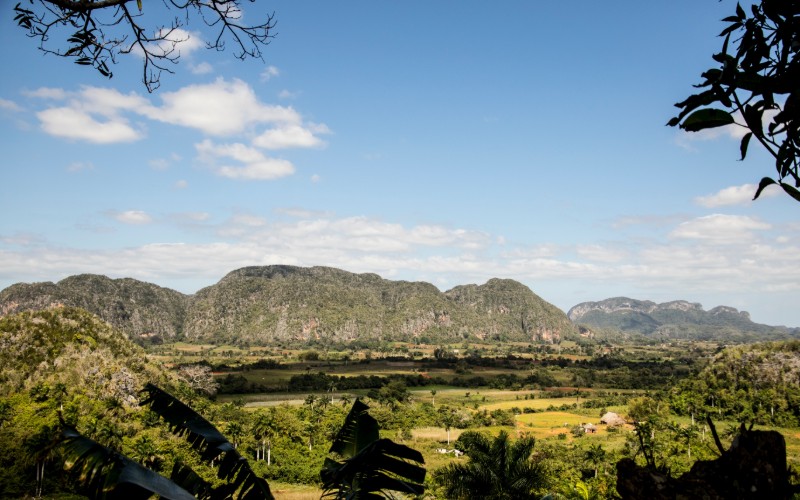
(720, 228)
(219, 108)
(73, 123)
(269, 73)
(248, 163)
(734, 195)
(291, 136)
(135, 217)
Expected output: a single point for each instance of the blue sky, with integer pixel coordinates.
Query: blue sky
(448, 142)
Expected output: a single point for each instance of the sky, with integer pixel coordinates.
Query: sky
(449, 142)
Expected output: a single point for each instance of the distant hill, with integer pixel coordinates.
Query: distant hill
(676, 319)
(291, 305)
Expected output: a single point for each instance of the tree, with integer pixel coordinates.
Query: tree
(595, 455)
(95, 32)
(754, 83)
(264, 430)
(199, 378)
(497, 469)
(447, 417)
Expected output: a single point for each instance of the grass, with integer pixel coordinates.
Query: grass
(286, 491)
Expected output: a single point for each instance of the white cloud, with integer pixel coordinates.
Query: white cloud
(72, 123)
(109, 102)
(720, 228)
(181, 184)
(219, 108)
(250, 163)
(203, 68)
(599, 253)
(734, 195)
(687, 263)
(290, 136)
(176, 42)
(7, 105)
(269, 73)
(287, 94)
(135, 217)
(248, 220)
(46, 93)
(192, 217)
(315, 178)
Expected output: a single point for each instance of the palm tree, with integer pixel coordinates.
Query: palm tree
(447, 418)
(497, 469)
(264, 424)
(595, 456)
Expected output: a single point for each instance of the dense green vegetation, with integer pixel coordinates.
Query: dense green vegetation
(289, 405)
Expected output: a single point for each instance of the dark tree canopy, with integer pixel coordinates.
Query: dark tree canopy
(755, 85)
(95, 32)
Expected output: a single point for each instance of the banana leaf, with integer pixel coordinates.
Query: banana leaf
(103, 473)
(212, 446)
(372, 467)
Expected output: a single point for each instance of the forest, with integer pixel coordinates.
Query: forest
(283, 410)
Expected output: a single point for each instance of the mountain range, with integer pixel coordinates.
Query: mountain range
(288, 305)
(675, 319)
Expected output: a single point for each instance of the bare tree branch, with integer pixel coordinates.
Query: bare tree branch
(95, 32)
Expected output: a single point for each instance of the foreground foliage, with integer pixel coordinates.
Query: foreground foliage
(755, 84)
(371, 466)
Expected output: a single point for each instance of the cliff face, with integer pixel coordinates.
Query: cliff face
(265, 305)
(676, 319)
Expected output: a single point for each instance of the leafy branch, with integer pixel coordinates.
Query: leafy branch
(755, 84)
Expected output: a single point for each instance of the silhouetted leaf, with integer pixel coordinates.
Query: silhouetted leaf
(372, 465)
(706, 118)
(766, 181)
(104, 473)
(745, 142)
(210, 443)
(791, 191)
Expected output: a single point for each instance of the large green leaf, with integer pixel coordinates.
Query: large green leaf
(103, 473)
(372, 465)
(358, 431)
(706, 118)
(211, 444)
